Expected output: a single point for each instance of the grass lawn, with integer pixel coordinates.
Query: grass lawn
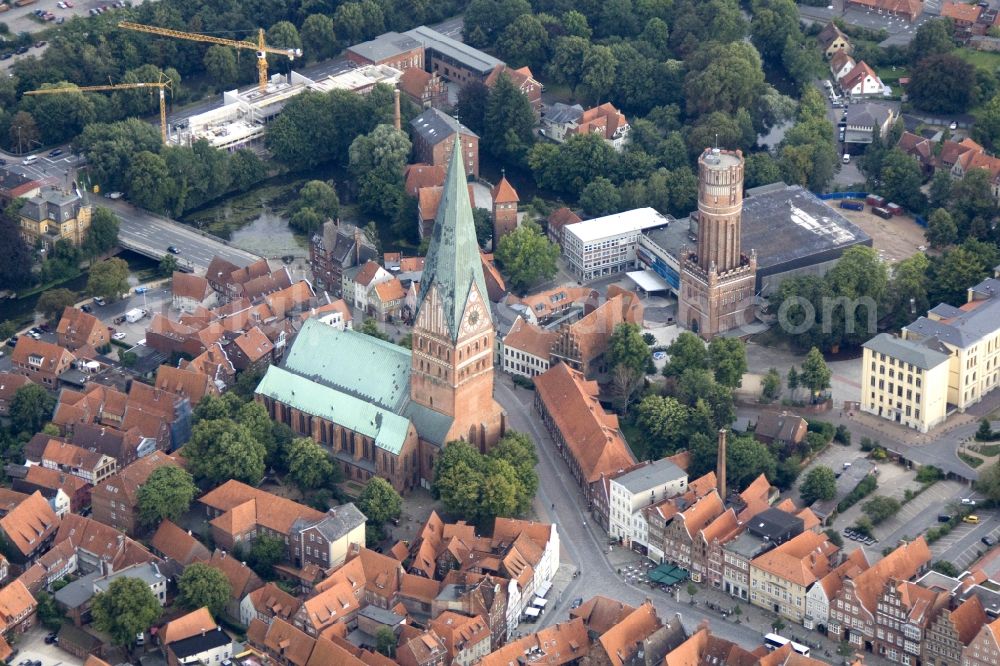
(891, 76)
(981, 59)
(988, 449)
(970, 460)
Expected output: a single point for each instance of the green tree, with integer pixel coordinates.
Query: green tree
(166, 494)
(379, 501)
(108, 279)
(168, 265)
(309, 466)
(527, 256)
(953, 273)
(481, 487)
(222, 449)
(319, 37)
(880, 508)
(770, 386)
(746, 459)
(727, 357)
(220, 65)
(30, 409)
(246, 169)
(907, 293)
(385, 642)
(265, 552)
(988, 482)
(127, 608)
(566, 64)
(819, 484)
(773, 23)
(23, 132)
(103, 232)
(205, 586)
(15, 269)
(524, 42)
(377, 160)
(628, 347)
(600, 197)
(941, 229)
(687, 351)
(761, 169)
(317, 202)
(575, 24)
(723, 77)
(473, 99)
(48, 612)
(815, 373)
(517, 449)
(510, 122)
(664, 420)
(943, 84)
(370, 327)
(148, 182)
(52, 303)
(932, 38)
(901, 180)
(692, 590)
(599, 65)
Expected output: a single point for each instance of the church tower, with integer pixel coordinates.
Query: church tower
(717, 280)
(453, 333)
(505, 202)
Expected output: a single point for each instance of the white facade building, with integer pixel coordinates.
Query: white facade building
(635, 490)
(606, 245)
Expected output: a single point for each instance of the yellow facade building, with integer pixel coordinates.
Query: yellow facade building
(941, 363)
(54, 215)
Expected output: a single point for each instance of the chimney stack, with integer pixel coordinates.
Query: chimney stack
(720, 469)
(396, 120)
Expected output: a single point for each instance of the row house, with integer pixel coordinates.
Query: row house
(826, 588)
(903, 615)
(434, 134)
(99, 547)
(78, 329)
(30, 529)
(17, 610)
(527, 349)
(681, 542)
(189, 292)
(639, 636)
(336, 248)
(39, 361)
(658, 516)
(466, 639)
(984, 649)
(268, 603)
(227, 279)
(952, 631)
(361, 280)
(587, 437)
(583, 344)
(557, 221)
(242, 580)
(472, 593)
(174, 636)
(91, 466)
(115, 500)
(186, 383)
(633, 490)
(239, 513)
(336, 314)
(425, 89)
(176, 545)
(563, 643)
(853, 611)
(780, 578)
(831, 40)
(64, 492)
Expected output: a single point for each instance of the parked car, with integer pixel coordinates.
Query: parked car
(988, 540)
(40, 44)
(55, 153)
(12, 342)
(968, 501)
(944, 518)
(99, 301)
(577, 603)
(86, 308)
(972, 518)
(21, 50)
(953, 126)
(118, 336)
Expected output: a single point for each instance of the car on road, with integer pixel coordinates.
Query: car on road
(972, 518)
(576, 603)
(174, 250)
(21, 50)
(86, 308)
(55, 153)
(6, 56)
(114, 195)
(40, 44)
(118, 336)
(988, 540)
(99, 301)
(142, 289)
(953, 126)
(968, 501)
(12, 342)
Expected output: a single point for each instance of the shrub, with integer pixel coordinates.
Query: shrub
(868, 444)
(824, 428)
(864, 488)
(929, 474)
(842, 435)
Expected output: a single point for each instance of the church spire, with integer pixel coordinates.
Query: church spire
(453, 264)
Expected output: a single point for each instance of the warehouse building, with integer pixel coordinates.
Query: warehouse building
(792, 230)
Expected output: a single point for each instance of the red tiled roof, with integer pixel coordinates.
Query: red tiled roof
(189, 285)
(419, 176)
(53, 357)
(504, 192)
(30, 523)
(530, 339)
(961, 11)
(186, 626)
(590, 433)
(185, 382)
(178, 545)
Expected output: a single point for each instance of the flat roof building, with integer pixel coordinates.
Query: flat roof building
(452, 59)
(792, 230)
(607, 245)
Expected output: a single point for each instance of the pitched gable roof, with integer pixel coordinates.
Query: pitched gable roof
(185, 382)
(901, 564)
(242, 579)
(621, 641)
(177, 544)
(801, 560)
(30, 523)
(187, 626)
(189, 285)
(530, 339)
(49, 357)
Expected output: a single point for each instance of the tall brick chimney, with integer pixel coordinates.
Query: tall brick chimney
(397, 121)
(720, 469)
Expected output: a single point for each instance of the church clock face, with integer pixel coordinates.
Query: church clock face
(474, 318)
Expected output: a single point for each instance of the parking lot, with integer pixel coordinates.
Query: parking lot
(32, 647)
(23, 19)
(895, 239)
(963, 545)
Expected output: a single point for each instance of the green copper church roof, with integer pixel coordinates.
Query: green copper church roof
(364, 366)
(453, 264)
(387, 429)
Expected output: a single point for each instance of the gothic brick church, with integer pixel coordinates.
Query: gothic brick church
(381, 409)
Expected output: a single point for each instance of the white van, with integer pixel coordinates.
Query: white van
(30, 159)
(847, 158)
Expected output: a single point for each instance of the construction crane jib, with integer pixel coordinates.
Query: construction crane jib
(260, 47)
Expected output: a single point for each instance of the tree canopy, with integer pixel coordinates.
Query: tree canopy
(202, 585)
(167, 493)
(527, 256)
(127, 608)
(379, 501)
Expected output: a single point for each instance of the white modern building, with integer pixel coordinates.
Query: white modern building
(607, 245)
(241, 119)
(637, 489)
(942, 363)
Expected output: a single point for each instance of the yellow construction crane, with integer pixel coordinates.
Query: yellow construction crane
(162, 85)
(260, 47)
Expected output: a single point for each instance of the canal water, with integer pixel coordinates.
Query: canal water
(270, 236)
